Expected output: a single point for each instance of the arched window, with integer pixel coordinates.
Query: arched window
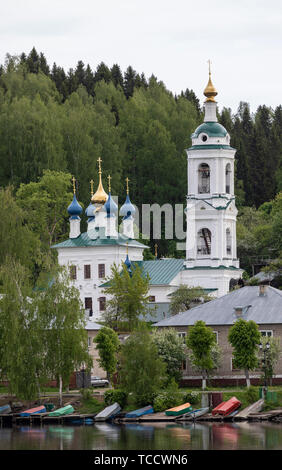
(204, 242)
(228, 242)
(227, 178)
(204, 178)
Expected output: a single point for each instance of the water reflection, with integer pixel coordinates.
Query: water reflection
(146, 436)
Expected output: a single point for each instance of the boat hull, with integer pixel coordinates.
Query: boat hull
(5, 409)
(141, 412)
(195, 414)
(227, 407)
(33, 411)
(179, 410)
(108, 413)
(66, 410)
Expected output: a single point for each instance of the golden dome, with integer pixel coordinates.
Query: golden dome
(100, 197)
(210, 91)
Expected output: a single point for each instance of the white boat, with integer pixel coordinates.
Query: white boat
(108, 412)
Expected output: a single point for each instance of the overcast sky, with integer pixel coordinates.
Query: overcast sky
(173, 39)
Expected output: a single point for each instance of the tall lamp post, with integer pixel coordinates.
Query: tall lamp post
(265, 349)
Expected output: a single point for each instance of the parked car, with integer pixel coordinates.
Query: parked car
(98, 382)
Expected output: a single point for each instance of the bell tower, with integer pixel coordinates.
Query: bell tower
(211, 211)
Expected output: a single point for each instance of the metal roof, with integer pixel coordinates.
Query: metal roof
(161, 271)
(265, 309)
(99, 239)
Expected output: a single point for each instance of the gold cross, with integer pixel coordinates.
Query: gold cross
(209, 62)
(99, 163)
(91, 185)
(127, 189)
(73, 184)
(109, 179)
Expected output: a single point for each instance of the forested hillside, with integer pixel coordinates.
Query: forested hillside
(52, 119)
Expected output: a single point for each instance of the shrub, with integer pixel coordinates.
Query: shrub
(115, 395)
(86, 393)
(252, 395)
(192, 397)
(168, 398)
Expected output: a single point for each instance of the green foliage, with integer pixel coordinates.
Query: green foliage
(252, 395)
(205, 354)
(192, 397)
(244, 336)
(142, 372)
(129, 299)
(107, 343)
(115, 395)
(168, 398)
(22, 351)
(186, 297)
(171, 349)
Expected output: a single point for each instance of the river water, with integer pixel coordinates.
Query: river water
(151, 436)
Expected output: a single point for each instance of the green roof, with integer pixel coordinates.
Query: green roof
(100, 240)
(214, 267)
(212, 129)
(211, 147)
(160, 271)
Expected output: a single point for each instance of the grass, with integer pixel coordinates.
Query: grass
(90, 405)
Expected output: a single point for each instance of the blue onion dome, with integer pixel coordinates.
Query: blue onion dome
(90, 212)
(127, 209)
(128, 264)
(110, 207)
(74, 208)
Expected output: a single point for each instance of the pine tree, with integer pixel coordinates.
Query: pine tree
(117, 77)
(129, 81)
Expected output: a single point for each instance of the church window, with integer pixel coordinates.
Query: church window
(101, 271)
(228, 242)
(88, 305)
(152, 298)
(204, 138)
(73, 274)
(87, 271)
(227, 178)
(204, 242)
(204, 178)
(102, 303)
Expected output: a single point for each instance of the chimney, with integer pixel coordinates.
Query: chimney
(262, 290)
(238, 311)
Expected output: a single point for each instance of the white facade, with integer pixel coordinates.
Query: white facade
(211, 253)
(99, 259)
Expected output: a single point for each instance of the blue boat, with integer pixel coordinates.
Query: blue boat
(5, 409)
(33, 411)
(142, 411)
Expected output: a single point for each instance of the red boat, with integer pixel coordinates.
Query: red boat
(32, 411)
(227, 407)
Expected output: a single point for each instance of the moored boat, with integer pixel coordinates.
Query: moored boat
(227, 407)
(33, 411)
(179, 410)
(108, 412)
(66, 410)
(5, 409)
(194, 414)
(140, 412)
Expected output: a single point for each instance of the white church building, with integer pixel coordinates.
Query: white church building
(211, 259)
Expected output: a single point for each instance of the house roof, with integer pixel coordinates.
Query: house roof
(99, 239)
(91, 325)
(265, 309)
